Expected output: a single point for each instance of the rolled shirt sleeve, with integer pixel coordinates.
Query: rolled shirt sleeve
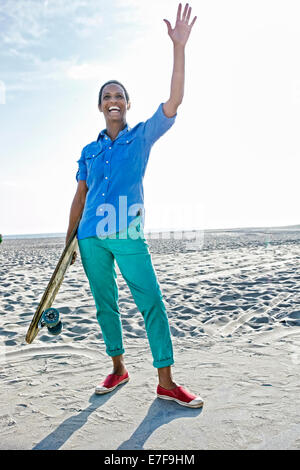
(81, 174)
(157, 125)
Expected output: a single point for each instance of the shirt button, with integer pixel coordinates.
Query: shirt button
(106, 177)
(103, 194)
(109, 148)
(106, 161)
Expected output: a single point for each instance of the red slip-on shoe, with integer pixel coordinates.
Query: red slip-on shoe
(181, 396)
(111, 382)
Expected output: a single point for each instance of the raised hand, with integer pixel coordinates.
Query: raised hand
(182, 29)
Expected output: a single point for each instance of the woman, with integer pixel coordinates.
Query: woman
(110, 198)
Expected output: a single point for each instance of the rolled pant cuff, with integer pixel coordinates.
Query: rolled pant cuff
(115, 352)
(163, 363)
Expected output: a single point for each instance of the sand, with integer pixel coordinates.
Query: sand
(234, 309)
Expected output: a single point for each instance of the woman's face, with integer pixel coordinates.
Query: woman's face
(113, 103)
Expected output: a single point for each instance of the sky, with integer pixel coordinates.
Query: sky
(230, 160)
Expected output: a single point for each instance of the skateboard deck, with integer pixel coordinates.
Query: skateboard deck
(53, 285)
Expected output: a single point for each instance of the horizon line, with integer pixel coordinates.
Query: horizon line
(62, 234)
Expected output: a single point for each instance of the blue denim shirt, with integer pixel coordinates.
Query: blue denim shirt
(114, 172)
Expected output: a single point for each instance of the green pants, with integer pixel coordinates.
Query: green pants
(134, 260)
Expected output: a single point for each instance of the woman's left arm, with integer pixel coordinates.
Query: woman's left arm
(179, 36)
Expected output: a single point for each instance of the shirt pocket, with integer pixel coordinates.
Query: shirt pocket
(124, 149)
(91, 156)
(90, 160)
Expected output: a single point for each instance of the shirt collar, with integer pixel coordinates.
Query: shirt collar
(103, 134)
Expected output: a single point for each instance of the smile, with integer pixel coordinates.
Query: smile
(114, 109)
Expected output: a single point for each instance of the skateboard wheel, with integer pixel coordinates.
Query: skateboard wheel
(50, 317)
(55, 330)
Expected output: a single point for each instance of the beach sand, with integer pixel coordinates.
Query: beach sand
(234, 309)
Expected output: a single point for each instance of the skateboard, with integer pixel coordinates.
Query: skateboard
(45, 315)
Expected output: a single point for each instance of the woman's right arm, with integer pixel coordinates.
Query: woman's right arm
(77, 207)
